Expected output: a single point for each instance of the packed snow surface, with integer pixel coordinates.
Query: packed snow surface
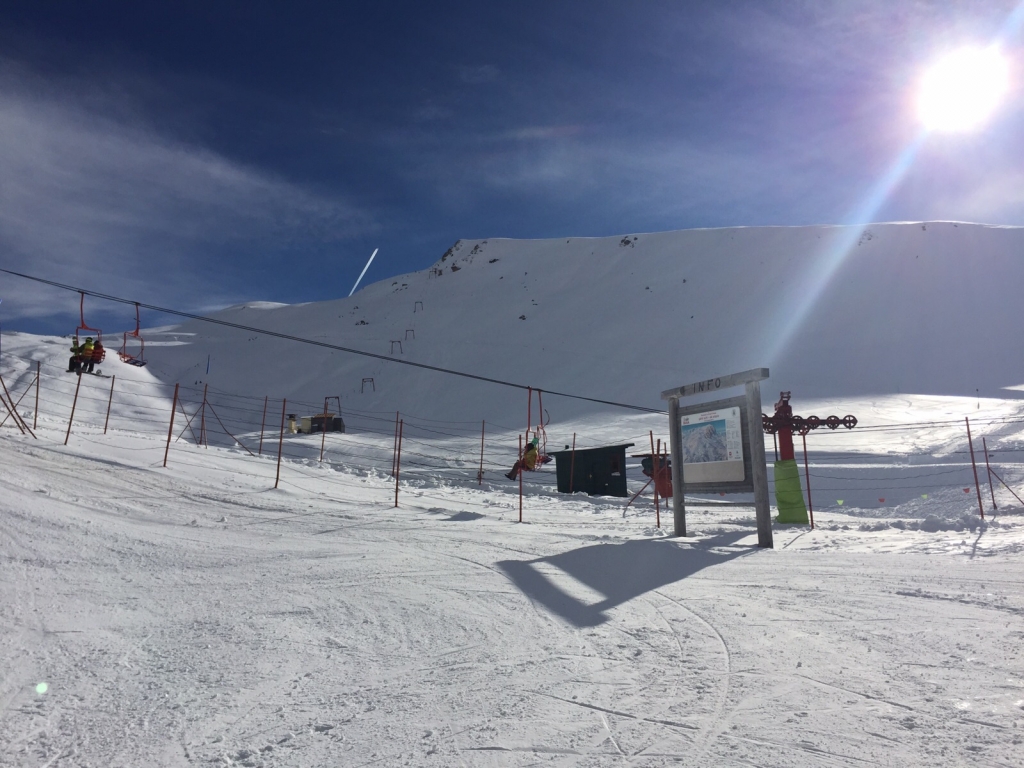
(194, 614)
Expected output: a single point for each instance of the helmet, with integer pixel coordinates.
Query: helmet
(535, 441)
(88, 338)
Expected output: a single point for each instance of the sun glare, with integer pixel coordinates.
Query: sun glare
(963, 89)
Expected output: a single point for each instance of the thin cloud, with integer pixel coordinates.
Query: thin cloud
(478, 75)
(87, 198)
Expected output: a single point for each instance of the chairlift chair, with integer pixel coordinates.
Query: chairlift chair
(135, 357)
(83, 327)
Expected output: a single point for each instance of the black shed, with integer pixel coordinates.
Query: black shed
(595, 471)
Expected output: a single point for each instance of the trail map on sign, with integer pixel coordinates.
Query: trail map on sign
(713, 446)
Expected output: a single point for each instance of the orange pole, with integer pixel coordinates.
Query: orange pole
(807, 475)
(170, 429)
(977, 485)
(35, 414)
(323, 432)
(202, 420)
(480, 472)
(394, 449)
(655, 458)
(572, 463)
(520, 478)
(263, 423)
(280, 443)
(110, 402)
(398, 458)
(72, 418)
(988, 469)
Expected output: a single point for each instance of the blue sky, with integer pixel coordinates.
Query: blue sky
(202, 154)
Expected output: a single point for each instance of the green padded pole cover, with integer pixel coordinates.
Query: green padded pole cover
(788, 496)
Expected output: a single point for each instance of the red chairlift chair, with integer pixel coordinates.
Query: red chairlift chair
(135, 357)
(83, 327)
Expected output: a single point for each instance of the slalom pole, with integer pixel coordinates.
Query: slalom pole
(988, 469)
(110, 402)
(394, 448)
(398, 458)
(323, 432)
(974, 465)
(263, 423)
(480, 472)
(35, 414)
(572, 463)
(280, 443)
(170, 429)
(807, 475)
(520, 478)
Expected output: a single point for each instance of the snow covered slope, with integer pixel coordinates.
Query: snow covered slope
(832, 311)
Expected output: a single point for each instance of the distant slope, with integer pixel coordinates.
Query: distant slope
(925, 308)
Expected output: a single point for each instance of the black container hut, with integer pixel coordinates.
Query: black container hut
(595, 471)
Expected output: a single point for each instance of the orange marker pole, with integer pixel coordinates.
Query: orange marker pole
(110, 402)
(280, 442)
(170, 429)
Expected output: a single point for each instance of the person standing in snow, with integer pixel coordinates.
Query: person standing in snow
(527, 462)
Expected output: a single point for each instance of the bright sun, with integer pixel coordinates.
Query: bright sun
(963, 89)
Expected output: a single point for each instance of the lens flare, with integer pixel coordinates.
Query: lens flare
(962, 90)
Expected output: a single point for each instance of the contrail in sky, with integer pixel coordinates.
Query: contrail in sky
(364, 271)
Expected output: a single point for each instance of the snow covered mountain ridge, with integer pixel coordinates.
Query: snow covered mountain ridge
(832, 311)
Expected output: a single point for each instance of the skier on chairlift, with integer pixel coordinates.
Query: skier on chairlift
(528, 462)
(87, 352)
(75, 361)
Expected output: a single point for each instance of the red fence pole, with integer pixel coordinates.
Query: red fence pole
(529, 415)
(480, 472)
(202, 421)
(394, 447)
(110, 402)
(263, 423)
(22, 424)
(170, 429)
(988, 469)
(974, 465)
(72, 417)
(520, 478)
(280, 442)
(807, 475)
(655, 458)
(572, 463)
(35, 414)
(398, 458)
(323, 431)
(11, 413)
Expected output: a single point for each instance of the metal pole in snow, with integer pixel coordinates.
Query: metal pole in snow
(572, 463)
(280, 443)
(10, 411)
(72, 417)
(807, 475)
(520, 462)
(654, 474)
(323, 432)
(202, 419)
(110, 402)
(988, 469)
(263, 424)
(394, 447)
(35, 414)
(398, 458)
(977, 485)
(480, 472)
(170, 429)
